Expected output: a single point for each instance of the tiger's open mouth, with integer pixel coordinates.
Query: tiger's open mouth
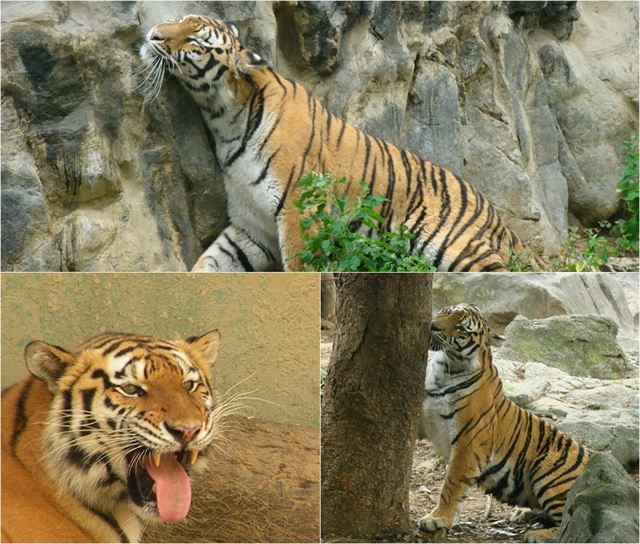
(161, 481)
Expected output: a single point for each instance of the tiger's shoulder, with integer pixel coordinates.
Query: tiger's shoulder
(25, 488)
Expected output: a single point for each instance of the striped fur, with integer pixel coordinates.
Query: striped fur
(267, 131)
(488, 440)
(78, 434)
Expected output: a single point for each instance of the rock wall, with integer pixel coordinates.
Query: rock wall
(529, 102)
(502, 297)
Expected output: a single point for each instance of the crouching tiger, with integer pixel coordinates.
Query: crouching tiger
(487, 439)
(102, 439)
(268, 132)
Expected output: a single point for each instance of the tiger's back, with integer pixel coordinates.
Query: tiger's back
(489, 440)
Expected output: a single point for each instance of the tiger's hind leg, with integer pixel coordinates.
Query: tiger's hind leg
(235, 251)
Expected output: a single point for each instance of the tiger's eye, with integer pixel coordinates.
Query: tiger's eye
(131, 390)
(191, 385)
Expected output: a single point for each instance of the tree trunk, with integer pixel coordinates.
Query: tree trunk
(372, 400)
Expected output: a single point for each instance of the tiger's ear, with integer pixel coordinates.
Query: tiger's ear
(47, 362)
(233, 28)
(249, 61)
(206, 345)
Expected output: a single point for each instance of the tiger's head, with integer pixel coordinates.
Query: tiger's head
(460, 331)
(129, 416)
(200, 51)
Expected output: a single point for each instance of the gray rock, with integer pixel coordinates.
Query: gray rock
(582, 345)
(621, 442)
(503, 296)
(602, 505)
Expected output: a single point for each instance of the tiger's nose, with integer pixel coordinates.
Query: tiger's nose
(155, 36)
(182, 433)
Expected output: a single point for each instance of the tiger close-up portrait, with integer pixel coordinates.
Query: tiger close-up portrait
(268, 132)
(487, 439)
(101, 440)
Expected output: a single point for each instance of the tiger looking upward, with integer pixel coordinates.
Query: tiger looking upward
(486, 438)
(269, 131)
(101, 440)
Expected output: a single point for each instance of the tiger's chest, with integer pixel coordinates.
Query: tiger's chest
(440, 430)
(253, 192)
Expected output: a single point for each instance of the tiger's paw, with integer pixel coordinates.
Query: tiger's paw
(540, 535)
(431, 523)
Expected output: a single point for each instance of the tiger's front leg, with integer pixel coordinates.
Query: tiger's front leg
(461, 474)
(290, 239)
(235, 251)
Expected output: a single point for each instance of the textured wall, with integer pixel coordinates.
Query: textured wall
(529, 101)
(269, 325)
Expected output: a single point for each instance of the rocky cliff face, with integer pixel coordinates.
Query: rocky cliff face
(529, 102)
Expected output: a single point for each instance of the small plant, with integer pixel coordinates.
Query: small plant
(627, 228)
(585, 255)
(330, 223)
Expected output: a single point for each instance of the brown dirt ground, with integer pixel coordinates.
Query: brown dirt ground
(265, 487)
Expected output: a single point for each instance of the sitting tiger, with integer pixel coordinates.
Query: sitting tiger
(268, 131)
(101, 439)
(487, 439)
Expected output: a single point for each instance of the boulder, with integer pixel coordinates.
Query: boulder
(602, 505)
(501, 297)
(582, 345)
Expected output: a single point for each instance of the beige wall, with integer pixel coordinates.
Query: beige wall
(269, 325)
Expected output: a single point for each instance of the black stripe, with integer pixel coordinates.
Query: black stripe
(106, 383)
(407, 170)
(304, 158)
(467, 428)
(461, 211)
(113, 347)
(445, 208)
(20, 419)
(253, 122)
(462, 385)
(125, 351)
(263, 174)
(278, 81)
(244, 261)
(111, 522)
(391, 181)
(201, 72)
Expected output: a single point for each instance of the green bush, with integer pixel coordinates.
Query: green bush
(329, 225)
(627, 228)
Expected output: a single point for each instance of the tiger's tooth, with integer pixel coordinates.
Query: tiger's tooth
(155, 457)
(193, 455)
(154, 487)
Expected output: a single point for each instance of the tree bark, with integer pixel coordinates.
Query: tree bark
(372, 400)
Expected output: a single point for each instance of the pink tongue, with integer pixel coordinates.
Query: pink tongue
(173, 489)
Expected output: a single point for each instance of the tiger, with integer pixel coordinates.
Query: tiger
(487, 439)
(101, 440)
(267, 131)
